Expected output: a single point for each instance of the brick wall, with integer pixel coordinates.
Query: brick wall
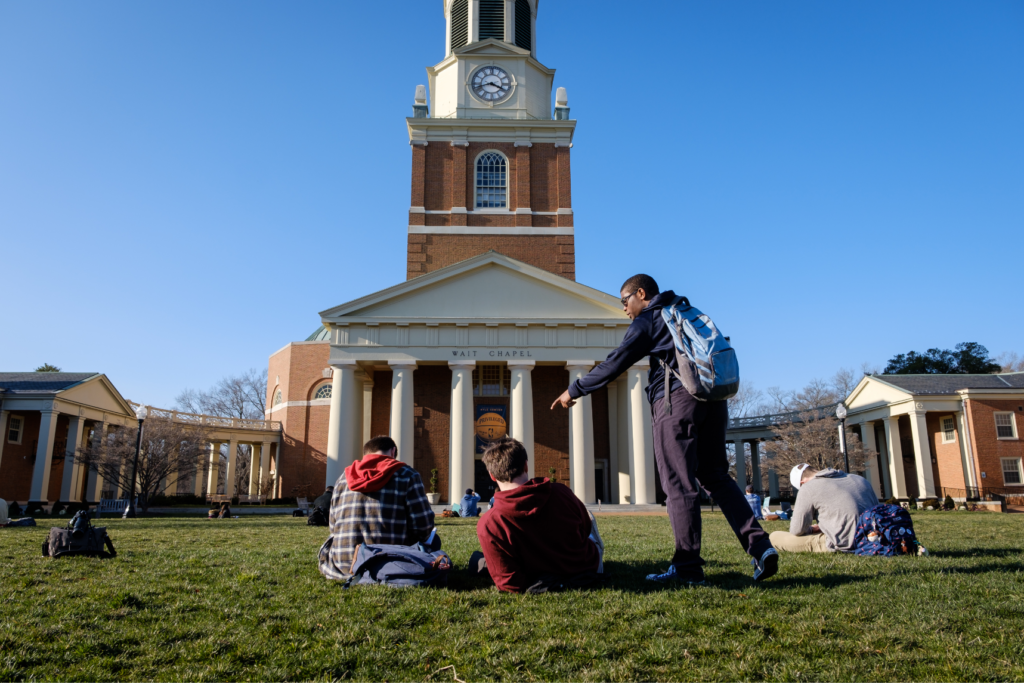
(19, 459)
(987, 449)
(432, 399)
(949, 469)
(555, 254)
(550, 427)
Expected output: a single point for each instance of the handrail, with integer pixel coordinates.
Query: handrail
(211, 420)
(779, 418)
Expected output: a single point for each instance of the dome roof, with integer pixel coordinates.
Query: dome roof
(321, 334)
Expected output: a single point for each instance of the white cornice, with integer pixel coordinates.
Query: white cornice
(478, 230)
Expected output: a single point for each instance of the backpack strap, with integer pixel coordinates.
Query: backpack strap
(110, 547)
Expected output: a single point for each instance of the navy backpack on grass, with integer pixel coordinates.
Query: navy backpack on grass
(400, 565)
(885, 530)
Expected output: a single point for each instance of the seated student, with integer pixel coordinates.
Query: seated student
(323, 501)
(378, 499)
(225, 511)
(836, 500)
(754, 501)
(470, 504)
(536, 528)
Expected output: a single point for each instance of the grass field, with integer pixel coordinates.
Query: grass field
(195, 599)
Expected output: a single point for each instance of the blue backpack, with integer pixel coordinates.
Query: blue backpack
(400, 565)
(707, 362)
(885, 530)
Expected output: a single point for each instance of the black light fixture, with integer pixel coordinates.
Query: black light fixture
(129, 512)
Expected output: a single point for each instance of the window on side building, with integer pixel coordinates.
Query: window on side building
(1012, 471)
(1006, 426)
(491, 181)
(948, 429)
(15, 426)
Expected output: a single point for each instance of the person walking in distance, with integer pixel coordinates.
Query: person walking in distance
(689, 439)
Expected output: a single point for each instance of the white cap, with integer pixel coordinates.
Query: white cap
(561, 99)
(796, 473)
(421, 94)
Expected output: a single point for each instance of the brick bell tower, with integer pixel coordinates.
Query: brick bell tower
(490, 160)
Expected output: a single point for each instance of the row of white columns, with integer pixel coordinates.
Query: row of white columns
(893, 481)
(345, 430)
(259, 469)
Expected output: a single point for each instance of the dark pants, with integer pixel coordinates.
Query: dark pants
(689, 448)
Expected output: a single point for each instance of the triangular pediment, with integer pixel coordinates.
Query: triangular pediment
(491, 46)
(872, 392)
(490, 287)
(100, 394)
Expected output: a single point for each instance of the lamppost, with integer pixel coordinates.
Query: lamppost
(140, 413)
(841, 414)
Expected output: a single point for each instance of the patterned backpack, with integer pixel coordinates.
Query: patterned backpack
(885, 530)
(707, 362)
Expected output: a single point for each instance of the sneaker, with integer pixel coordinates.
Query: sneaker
(672, 576)
(767, 566)
(922, 551)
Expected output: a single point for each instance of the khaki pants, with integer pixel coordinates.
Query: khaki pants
(811, 543)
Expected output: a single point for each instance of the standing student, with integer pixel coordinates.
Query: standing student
(689, 442)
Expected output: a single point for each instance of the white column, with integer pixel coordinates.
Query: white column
(755, 465)
(254, 468)
(345, 429)
(229, 475)
(44, 453)
(171, 486)
(401, 409)
(197, 480)
(264, 467)
(773, 483)
(892, 441)
(867, 437)
(214, 473)
(581, 438)
(923, 453)
(462, 440)
(3, 433)
(522, 407)
(67, 489)
(641, 438)
(625, 466)
(965, 454)
(613, 442)
(741, 465)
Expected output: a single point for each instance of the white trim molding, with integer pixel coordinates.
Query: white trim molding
(478, 230)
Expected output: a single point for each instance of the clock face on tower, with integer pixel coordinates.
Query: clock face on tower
(491, 84)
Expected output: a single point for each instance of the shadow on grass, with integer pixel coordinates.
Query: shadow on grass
(631, 576)
(979, 552)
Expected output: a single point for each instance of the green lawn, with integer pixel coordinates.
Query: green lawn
(195, 599)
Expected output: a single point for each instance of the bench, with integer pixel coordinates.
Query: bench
(218, 498)
(259, 500)
(113, 505)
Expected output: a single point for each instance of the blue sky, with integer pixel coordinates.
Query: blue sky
(184, 185)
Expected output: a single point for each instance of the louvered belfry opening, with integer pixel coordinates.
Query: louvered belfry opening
(492, 19)
(460, 23)
(524, 25)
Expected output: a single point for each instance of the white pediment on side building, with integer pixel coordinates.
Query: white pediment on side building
(489, 287)
(873, 393)
(99, 394)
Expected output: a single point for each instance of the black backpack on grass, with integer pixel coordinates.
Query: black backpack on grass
(79, 538)
(318, 517)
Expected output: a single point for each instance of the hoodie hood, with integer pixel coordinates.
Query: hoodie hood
(525, 500)
(371, 473)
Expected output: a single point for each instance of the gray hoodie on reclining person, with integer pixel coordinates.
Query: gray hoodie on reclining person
(836, 500)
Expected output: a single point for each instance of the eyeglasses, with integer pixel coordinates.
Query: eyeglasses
(626, 298)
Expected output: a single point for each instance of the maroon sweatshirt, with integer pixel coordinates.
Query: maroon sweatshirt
(535, 529)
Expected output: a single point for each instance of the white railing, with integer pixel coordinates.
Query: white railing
(765, 421)
(212, 420)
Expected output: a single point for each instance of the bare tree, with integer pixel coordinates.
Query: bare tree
(813, 437)
(171, 453)
(243, 396)
(1010, 362)
(747, 402)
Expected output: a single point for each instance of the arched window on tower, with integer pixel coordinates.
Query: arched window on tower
(323, 392)
(491, 181)
(524, 25)
(460, 23)
(492, 19)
